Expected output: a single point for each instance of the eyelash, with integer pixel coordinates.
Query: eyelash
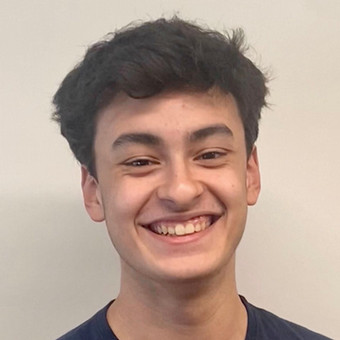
(216, 155)
(143, 162)
(140, 162)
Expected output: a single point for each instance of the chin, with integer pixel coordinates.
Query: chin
(193, 270)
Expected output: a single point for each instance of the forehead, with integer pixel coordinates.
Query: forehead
(169, 114)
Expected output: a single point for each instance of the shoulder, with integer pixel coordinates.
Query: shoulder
(265, 325)
(94, 328)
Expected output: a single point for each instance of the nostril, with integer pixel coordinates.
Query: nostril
(183, 192)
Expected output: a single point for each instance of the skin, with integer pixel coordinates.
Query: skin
(170, 159)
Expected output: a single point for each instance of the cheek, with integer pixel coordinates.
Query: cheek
(230, 186)
(123, 201)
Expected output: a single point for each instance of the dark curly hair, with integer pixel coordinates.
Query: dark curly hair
(144, 60)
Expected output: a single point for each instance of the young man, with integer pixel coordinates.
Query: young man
(163, 118)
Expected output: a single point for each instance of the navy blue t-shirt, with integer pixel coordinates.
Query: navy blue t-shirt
(262, 325)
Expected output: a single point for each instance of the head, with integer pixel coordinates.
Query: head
(149, 59)
(120, 109)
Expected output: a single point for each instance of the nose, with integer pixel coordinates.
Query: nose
(180, 190)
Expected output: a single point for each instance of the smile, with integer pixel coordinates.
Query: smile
(176, 228)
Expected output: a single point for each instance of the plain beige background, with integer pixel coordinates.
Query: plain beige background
(57, 267)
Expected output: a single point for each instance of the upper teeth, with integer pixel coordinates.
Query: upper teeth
(180, 229)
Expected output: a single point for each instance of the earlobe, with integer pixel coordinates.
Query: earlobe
(92, 196)
(253, 178)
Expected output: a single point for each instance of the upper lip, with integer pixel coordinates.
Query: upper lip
(181, 218)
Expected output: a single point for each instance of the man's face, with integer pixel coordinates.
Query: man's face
(173, 183)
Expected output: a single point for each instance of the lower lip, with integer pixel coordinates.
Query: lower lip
(176, 240)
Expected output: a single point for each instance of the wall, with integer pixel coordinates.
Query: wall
(57, 267)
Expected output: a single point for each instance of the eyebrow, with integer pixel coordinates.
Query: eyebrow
(137, 138)
(152, 140)
(218, 129)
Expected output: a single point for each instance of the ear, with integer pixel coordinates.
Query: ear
(253, 178)
(92, 196)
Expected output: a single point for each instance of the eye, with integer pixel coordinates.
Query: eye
(211, 155)
(140, 166)
(212, 158)
(139, 162)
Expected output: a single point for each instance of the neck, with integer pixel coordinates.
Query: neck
(205, 308)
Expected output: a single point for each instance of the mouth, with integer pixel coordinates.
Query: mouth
(182, 228)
